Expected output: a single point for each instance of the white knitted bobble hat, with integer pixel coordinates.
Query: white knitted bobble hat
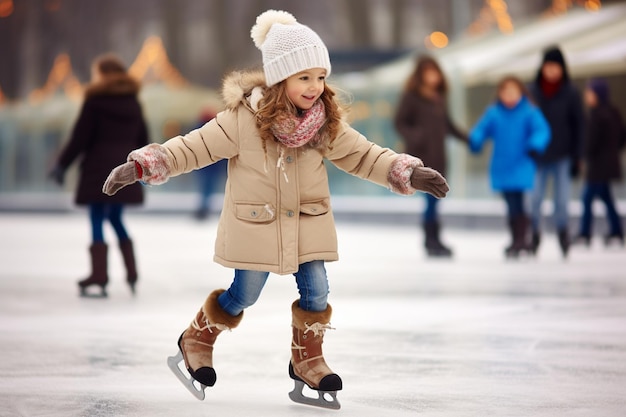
(287, 46)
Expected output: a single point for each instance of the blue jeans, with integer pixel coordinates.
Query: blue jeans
(514, 203)
(601, 190)
(113, 212)
(246, 288)
(430, 213)
(560, 172)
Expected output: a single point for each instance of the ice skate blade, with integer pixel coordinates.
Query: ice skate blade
(85, 294)
(173, 363)
(322, 401)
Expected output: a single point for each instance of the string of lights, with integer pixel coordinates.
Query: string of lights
(152, 64)
(61, 77)
(492, 12)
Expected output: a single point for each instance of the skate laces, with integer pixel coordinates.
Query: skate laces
(318, 329)
(208, 326)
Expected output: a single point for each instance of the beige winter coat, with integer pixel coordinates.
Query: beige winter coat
(275, 216)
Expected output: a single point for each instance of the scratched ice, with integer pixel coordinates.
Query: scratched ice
(475, 336)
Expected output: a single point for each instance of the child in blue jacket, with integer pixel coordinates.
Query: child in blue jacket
(519, 133)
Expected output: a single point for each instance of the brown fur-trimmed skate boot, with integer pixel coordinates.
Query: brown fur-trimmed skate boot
(196, 345)
(307, 365)
(99, 275)
(128, 254)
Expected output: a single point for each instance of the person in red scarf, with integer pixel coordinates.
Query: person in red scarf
(561, 104)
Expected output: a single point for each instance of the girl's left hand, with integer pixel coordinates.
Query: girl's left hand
(429, 181)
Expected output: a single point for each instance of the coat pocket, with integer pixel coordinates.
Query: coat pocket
(255, 213)
(315, 208)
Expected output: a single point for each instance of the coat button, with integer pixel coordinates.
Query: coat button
(289, 159)
(290, 213)
(253, 213)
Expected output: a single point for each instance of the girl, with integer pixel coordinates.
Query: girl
(109, 126)
(520, 133)
(277, 129)
(603, 143)
(423, 122)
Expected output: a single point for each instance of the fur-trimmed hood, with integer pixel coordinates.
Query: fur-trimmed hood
(111, 85)
(243, 87)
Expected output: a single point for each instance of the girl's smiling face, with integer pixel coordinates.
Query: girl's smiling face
(305, 87)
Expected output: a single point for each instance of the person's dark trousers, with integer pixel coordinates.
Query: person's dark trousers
(518, 223)
(601, 190)
(432, 241)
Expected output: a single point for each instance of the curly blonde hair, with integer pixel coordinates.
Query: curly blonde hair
(275, 107)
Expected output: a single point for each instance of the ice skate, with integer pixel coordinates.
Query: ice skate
(614, 238)
(307, 365)
(520, 245)
(128, 254)
(99, 276)
(564, 242)
(195, 388)
(193, 364)
(85, 293)
(432, 242)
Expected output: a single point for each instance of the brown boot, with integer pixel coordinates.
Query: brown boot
(128, 254)
(307, 363)
(99, 276)
(196, 344)
(519, 230)
(432, 241)
(307, 360)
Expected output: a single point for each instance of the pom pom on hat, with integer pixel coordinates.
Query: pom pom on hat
(287, 46)
(264, 23)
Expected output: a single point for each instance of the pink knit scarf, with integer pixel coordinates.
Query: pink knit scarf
(296, 131)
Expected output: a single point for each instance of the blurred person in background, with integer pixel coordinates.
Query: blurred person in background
(604, 140)
(561, 105)
(519, 131)
(423, 122)
(109, 126)
(210, 178)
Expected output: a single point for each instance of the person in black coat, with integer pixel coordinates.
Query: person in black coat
(110, 125)
(604, 139)
(561, 105)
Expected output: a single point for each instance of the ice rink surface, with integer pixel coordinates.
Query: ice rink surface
(474, 336)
